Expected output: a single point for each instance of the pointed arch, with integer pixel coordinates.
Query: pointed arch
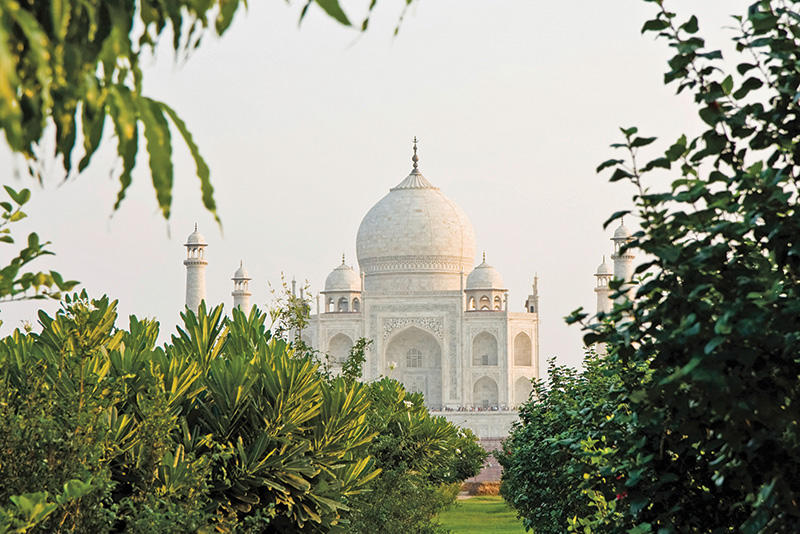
(522, 390)
(485, 393)
(522, 350)
(414, 357)
(339, 348)
(484, 349)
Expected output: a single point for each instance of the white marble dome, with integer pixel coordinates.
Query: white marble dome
(604, 269)
(343, 278)
(416, 229)
(622, 232)
(195, 238)
(484, 276)
(241, 273)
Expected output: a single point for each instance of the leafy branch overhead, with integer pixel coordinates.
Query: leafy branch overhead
(76, 65)
(15, 283)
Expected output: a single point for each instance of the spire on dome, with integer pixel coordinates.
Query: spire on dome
(342, 258)
(484, 256)
(414, 158)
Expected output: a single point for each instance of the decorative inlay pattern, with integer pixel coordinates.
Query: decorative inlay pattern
(431, 324)
(420, 263)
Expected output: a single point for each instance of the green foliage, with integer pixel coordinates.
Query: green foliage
(14, 284)
(225, 429)
(705, 436)
(423, 460)
(76, 64)
(352, 369)
(548, 451)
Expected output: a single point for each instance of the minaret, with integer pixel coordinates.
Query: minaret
(195, 263)
(603, 275)
(532, 302)
(241, 289)
(623, 261)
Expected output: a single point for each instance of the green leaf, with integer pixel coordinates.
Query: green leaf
(620, 174)
(655, 25)
(333, 9)
(642, 141)
(17, 216)
(202, 169)
(123, 115)
(690, 26)
(159, 150)
(727, 84)
(750, 84)
(609, 163)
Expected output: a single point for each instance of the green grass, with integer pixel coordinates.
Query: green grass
(482, 515)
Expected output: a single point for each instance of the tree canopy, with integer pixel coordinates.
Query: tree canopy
(703, 436)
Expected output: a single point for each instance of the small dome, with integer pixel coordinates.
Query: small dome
(604, 269)
(622, 232)
(195, 238)
(484, 276)
(343, 278)
(241, 273)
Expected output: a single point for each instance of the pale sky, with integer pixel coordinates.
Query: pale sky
(514, 103)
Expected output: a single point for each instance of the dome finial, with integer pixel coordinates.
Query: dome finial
(484, 256)
(414, 158)
(195, 227)
(240, 264)
(342, 258)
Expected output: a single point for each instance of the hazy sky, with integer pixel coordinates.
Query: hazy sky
(304, 129)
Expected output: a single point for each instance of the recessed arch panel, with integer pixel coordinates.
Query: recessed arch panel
(522, 350)
(484, 349)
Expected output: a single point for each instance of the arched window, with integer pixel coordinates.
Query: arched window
(484, 349)
(339, 348)
(522, 350)
(522, 390)
(330, 305)
(484, 393)
(356, 305)
(486, 304)
(413, 358)
(343, 304)
(497, 303)
(471, 305)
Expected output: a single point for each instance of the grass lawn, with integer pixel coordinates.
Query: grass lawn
(482, 514)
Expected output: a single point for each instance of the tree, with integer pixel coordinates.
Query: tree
(423, 461)
(74, 65)
(705, 438)
(223, 429)
(545, 456)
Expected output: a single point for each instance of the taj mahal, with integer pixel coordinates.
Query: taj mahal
(439, 324)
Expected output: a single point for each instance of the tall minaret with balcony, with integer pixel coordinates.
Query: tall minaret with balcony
(195, 263)
(623, 260)
(241, 289)
(603, 275)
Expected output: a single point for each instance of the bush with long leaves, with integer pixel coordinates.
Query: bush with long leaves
(223, 429)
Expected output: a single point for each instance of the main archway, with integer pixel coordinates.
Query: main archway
(414, 357)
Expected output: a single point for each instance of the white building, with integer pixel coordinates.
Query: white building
(438, 325)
